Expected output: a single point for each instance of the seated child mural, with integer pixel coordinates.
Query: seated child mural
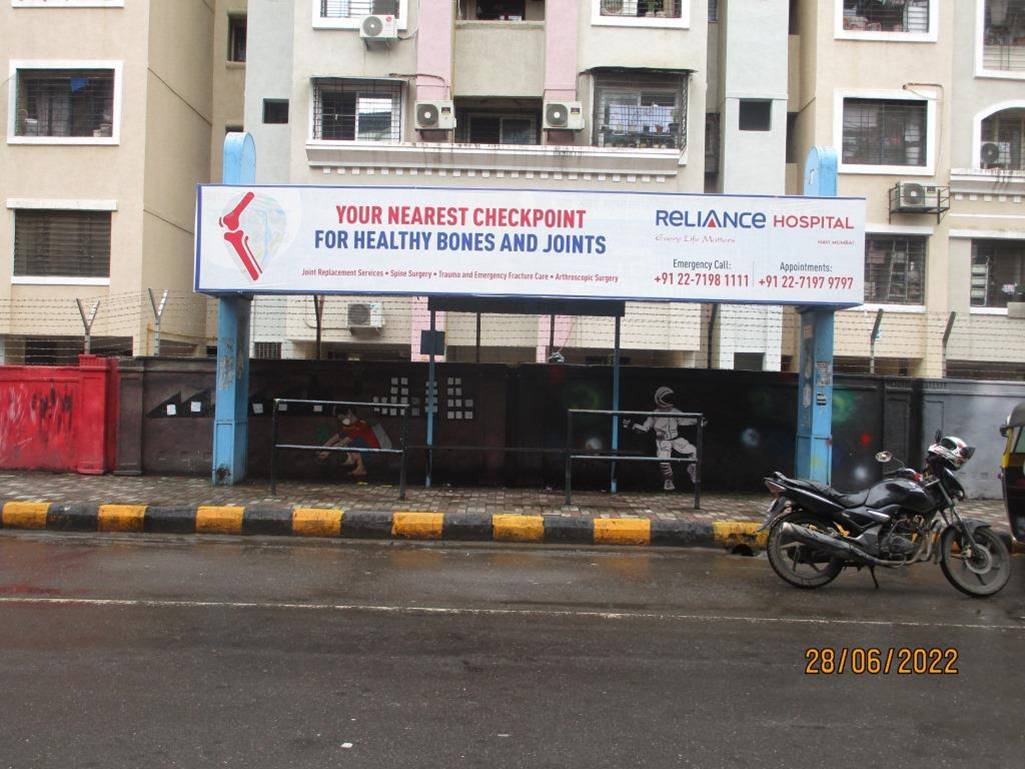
(357, 433)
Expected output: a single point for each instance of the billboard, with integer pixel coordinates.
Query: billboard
(530, 243)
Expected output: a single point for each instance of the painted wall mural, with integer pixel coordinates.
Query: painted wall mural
(517, 415)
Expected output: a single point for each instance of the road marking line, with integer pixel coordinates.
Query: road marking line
(120, 517)
(622, 531)
(484, 612)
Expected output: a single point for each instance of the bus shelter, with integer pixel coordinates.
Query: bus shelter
(583, 252)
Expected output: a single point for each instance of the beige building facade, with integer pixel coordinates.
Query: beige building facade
(112, 111)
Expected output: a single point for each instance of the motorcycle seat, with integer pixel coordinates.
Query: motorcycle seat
(846, 501)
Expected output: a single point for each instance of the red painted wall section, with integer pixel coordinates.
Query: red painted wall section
(59, 417)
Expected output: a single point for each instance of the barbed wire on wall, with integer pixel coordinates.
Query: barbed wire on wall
(980, 344)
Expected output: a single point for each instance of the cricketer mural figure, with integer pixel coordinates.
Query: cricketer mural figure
(667, 424)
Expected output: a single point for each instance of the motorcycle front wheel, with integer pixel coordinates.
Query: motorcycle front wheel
(799, 564)
(984, 573)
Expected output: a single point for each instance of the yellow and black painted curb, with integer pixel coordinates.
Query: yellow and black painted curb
(269, 520)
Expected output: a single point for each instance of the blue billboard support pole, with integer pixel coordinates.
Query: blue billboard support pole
(814, 459)
(231, 426)
(613, 485)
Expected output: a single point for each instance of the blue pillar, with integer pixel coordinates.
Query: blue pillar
(232, 392)
(814, 458)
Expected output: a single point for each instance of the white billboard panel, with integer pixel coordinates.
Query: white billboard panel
(530, 243)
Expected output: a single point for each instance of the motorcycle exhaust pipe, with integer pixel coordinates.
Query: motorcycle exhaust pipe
(852, 552)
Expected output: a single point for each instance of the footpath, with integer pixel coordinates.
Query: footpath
(191, 505)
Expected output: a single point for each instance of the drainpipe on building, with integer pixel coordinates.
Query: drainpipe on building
(872, 342)
(946, 338)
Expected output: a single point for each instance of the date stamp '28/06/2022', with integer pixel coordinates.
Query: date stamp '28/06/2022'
(866, 660)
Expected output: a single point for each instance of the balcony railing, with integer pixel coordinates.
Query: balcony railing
(665, 9)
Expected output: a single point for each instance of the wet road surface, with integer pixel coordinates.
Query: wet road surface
(193, 652)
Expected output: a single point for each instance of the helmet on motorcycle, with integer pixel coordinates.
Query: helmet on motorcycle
(664, 396)
(950, 451)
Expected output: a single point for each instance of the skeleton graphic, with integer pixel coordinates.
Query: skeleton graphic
(666, 425)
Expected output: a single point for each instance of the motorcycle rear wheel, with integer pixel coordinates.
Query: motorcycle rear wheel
(799, 564)
(963, 573)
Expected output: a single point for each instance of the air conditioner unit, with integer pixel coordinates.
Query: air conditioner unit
(913, 196)
(435, 116)
(563, 116)
(379, 28)
(365, 315)
(995, 154)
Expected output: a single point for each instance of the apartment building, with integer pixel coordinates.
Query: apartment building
(588, 94)
(922, 99)
(113, 111)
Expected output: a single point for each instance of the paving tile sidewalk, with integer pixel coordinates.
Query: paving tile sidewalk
(175, 490)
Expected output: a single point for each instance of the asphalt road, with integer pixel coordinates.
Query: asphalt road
(192, 652)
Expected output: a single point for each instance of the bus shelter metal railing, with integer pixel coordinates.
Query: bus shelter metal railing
(616, 455)
(275, 446)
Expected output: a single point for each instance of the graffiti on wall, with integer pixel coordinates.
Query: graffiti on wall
(669, 441)
(37, 425)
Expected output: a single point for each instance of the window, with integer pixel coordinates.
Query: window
(640, 112)
(62, 243)
(498, 121)
(275, 110)
(884, 132)
(907, 16)
(894, 269)
(997, 266)
(64, 103)
(357, 110)
(267, 350)
(660, 9)
(755, 115)
(501, 10)
(713, 11)
(347, 14)
(1003, 37)
(1003, 138)
(237, 38)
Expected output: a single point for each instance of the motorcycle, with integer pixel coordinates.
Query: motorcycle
(909, 517)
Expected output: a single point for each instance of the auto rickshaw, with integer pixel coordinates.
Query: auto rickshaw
(1013, 470)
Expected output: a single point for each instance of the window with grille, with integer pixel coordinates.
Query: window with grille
(237, 38)
(357, 110)
(1004, 132)
(665, 9)
(884, 132)
(713, 10)
(886, 15)
(64, 103)
(894, 269)
(998, 266)
(267, 350)
(1003, 45)
(355, 9)
(640, 112)
(62, 243)
(492, 128)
